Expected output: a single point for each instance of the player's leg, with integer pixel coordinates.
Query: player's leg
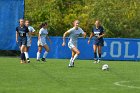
(26, 54)
(22, 48)
(75, 54)
(46, 52)
(99, 53)
(95, 53)
(71, 60)
(39, 52)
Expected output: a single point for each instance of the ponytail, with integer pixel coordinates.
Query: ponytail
(43, 24)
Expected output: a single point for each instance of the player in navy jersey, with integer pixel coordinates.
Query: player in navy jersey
(21, 38)
(98, 33)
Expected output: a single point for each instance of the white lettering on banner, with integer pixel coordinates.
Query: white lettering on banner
(138, 49)
(117, 49)
(104, 53)
(126, 55)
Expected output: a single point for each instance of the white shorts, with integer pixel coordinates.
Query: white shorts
(28, 42)
(72, 45)
(41, 42)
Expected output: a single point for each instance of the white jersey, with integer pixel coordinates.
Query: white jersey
(31, 29)
(74, 34)
(43, 33)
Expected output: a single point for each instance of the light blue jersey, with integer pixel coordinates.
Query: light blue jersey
(74, 34)
(31, 29)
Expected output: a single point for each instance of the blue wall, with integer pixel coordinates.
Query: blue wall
(10, 12)
(114, 49)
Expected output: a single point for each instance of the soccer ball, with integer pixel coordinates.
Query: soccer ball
(105, 67)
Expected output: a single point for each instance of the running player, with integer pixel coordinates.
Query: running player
(43, 34)
(29, 40)
(98, 33)
(72, 44)
(21, 38)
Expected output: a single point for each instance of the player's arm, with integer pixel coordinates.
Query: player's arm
(84, 34)
(64, 36)
(103, 34)
(48, 38)
(91, 35)
(16, 36)
(33, 31)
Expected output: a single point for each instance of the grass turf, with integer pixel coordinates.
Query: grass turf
(55, 77)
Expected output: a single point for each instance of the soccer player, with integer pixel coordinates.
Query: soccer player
(21, 38)
(98, 33)
(29, 39)
(43, 34)
(72, 44)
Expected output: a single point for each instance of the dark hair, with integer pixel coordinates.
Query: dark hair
(43, 24)
(27, 20)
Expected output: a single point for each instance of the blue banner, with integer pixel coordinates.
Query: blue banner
(10, 12)
(114, 49)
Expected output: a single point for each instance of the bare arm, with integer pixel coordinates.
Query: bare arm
(64, 36)
(101, 35)
(84, 35)
(48, 38)
(16, 36)
(91, 35)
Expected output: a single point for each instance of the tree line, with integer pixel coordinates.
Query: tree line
(120, 18)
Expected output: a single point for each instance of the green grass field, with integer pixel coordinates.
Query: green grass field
(55, 77)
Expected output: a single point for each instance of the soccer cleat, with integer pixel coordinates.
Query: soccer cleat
(43, 59)
(95, 62)
(24, 62)
(72, 64)
(98, 61)
(38, 60)
(21, 62)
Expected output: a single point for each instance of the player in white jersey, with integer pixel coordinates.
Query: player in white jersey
(43, 34)
(29, 40)
(72, 44)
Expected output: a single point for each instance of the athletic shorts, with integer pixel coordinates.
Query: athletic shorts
(28, 42)
(41, 42)
(72, 45)
(22, 41)
(99, 42)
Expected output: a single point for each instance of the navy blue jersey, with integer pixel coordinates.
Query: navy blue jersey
(98, 31)
(22, 31)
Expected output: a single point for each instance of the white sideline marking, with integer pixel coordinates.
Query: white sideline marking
(121, 83)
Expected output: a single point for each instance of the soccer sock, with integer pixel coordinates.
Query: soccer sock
(71, 61)
(95, 56)
(99, 56)
(45, 54)
(38, 55)
(75, 56)
(26, 55)
(22, 56)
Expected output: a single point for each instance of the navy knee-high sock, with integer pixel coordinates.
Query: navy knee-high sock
(95, 56)
(99, 55)
(22, 56)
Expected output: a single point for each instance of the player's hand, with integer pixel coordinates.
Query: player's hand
(17, 41)
(88, 41)
(99, 36)
(63, 44)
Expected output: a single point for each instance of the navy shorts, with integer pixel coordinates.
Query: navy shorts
(99, 42)
(22, 41)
